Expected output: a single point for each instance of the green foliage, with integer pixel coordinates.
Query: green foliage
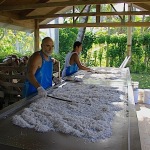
(100, 55)
(60, 57)
(100, 39)
(2, 32)
(88, 41)
(116, 49)
(108, 39)
(143, 79)
(114, 39)
(16, 42)
(140, 53)
(95, 57)
(110, 48)
(67, 37)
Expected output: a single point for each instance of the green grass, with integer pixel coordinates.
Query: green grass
(143, 79)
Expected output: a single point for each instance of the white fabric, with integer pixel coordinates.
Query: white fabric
(67, 63)
(42, 92)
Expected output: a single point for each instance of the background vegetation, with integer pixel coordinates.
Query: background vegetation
(102, 47)
(143, 79)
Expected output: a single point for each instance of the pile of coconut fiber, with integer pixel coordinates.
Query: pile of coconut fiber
(88, 114)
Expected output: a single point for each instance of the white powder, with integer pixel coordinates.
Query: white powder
(90, 118)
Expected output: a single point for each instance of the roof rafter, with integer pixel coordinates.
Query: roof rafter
(88, 14)
(116, 24)
(66, 3)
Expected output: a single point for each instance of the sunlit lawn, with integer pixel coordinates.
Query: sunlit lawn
(143, 79)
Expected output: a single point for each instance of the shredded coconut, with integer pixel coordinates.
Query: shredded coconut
(89, 116)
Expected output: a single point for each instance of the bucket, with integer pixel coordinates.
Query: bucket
(147, 96)
(135, 86)
(141, 96)
(136, 93)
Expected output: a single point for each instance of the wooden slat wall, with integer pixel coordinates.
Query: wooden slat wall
(12, 81)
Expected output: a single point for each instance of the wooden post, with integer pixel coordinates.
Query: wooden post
(56, 37)
(36, 35)
(97, 11)
(129, 33)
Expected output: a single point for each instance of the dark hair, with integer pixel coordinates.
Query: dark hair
(46, 38)
(77, 43)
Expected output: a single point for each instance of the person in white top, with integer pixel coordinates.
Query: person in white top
(72, 61)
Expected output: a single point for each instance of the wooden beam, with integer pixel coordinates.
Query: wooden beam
(143, 6)
(28, 24)
(67, 3)
(116, 11)
(88, 14)
(36, 36)
(116, 24)
(129, 33)
(80, 13)
(97, 11)
(9, 15)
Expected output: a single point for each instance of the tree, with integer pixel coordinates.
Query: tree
(84, 19)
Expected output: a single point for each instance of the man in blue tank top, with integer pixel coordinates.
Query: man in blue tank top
(72, 61)
(40, 70)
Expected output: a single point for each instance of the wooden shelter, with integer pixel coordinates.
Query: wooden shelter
(32, 15)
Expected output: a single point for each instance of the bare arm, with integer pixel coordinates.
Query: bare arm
(35, 62)
(75, 59)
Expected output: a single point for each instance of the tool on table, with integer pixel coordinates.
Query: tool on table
(73, 79)
(61, 99)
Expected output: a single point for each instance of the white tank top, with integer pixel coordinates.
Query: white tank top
(67, 63)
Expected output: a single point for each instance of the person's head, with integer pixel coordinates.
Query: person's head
(77, 47)
(47, 46)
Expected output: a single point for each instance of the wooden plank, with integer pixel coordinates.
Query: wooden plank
(10, 84)
(16, 76)
(12, 67)
(116, 24)
(87, 14)
(67, 3)
(13, 92)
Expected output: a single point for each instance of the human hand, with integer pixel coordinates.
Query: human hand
(90, 70)
(93, 71)
(78, 79)
(55, 60)
(42, 92)
(56, 80)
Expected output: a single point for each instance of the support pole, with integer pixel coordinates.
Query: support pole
(36, 35)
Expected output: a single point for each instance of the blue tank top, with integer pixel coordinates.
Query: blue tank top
(71, 69)
(43, 75)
